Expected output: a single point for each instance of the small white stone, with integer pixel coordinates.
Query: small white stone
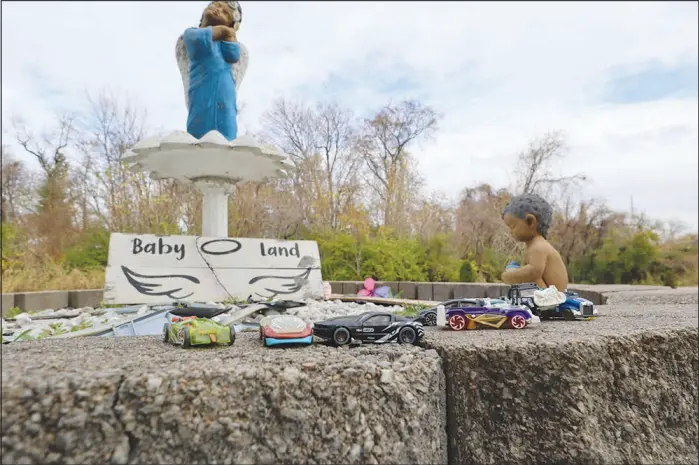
(23, 320)
(291, 374)
(154, 382)
(387, 376)
(355, 451)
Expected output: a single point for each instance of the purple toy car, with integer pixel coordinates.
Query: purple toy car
(484, 314)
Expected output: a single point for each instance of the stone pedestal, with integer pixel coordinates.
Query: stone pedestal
(212, 164)
(214, 208)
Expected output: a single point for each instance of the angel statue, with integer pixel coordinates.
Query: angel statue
(213, 63)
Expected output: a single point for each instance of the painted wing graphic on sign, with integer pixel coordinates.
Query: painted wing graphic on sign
(161, 285)
(276, 285)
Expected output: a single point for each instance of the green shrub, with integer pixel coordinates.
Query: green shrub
(91, 251)
(468, 272)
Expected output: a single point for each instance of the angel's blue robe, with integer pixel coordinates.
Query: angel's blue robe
(212, 96)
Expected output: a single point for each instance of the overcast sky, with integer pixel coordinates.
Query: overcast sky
(620, 79)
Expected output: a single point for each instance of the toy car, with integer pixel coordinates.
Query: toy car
(285, 329)
(489, 316)
(375, 327)
(568, 305)
(428, 317)
(193, 331)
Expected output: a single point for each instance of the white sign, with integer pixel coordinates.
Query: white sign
(150, 269)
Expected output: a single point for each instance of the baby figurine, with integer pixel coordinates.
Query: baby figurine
(529, 216)
(212, 63)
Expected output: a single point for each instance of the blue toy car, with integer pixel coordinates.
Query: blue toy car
(573, 308)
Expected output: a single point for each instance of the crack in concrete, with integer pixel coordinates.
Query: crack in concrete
(133, 441)
(450, 423)
(276, 411)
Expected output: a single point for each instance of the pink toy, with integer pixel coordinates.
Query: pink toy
(370, 290)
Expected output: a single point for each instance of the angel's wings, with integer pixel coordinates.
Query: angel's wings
(161, 285)
(276, 285)
(239, 68)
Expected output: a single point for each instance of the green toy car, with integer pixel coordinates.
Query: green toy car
(192, 331)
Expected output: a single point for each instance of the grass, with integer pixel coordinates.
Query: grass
(50, 277)
(84, 325)
(412, 310)
(54, 330)
(24, 336)
(12, 313)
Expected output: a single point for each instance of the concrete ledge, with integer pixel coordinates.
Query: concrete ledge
(85, 298)
(408, 290)
(35, 301)
(598, 294)
(157, 403)
(618, 389)
(351, 287)
(336, 287)
(444, 291)
(7, 304)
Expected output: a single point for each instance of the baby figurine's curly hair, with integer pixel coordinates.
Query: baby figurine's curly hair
(534, 204)
(237, 14)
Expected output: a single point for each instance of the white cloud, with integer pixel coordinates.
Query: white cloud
(501, 73)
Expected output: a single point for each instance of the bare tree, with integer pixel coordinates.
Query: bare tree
(578, 228)
(384, 147)
(320, 141)
(54, 217)
(434, 215)
(18, 188)
(478, 222)
(49, 148)
(534, 168)
(84, 189)
(114, 125)
(110, 128)
(674, 229)
(124, 200)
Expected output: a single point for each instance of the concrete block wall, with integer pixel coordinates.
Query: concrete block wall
(444, 291)
(56, 300)
(7, 303)
(36, 301)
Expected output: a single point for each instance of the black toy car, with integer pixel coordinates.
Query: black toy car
(375, 327)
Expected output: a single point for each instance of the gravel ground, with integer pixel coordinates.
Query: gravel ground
(76, 401)
(618, 389)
